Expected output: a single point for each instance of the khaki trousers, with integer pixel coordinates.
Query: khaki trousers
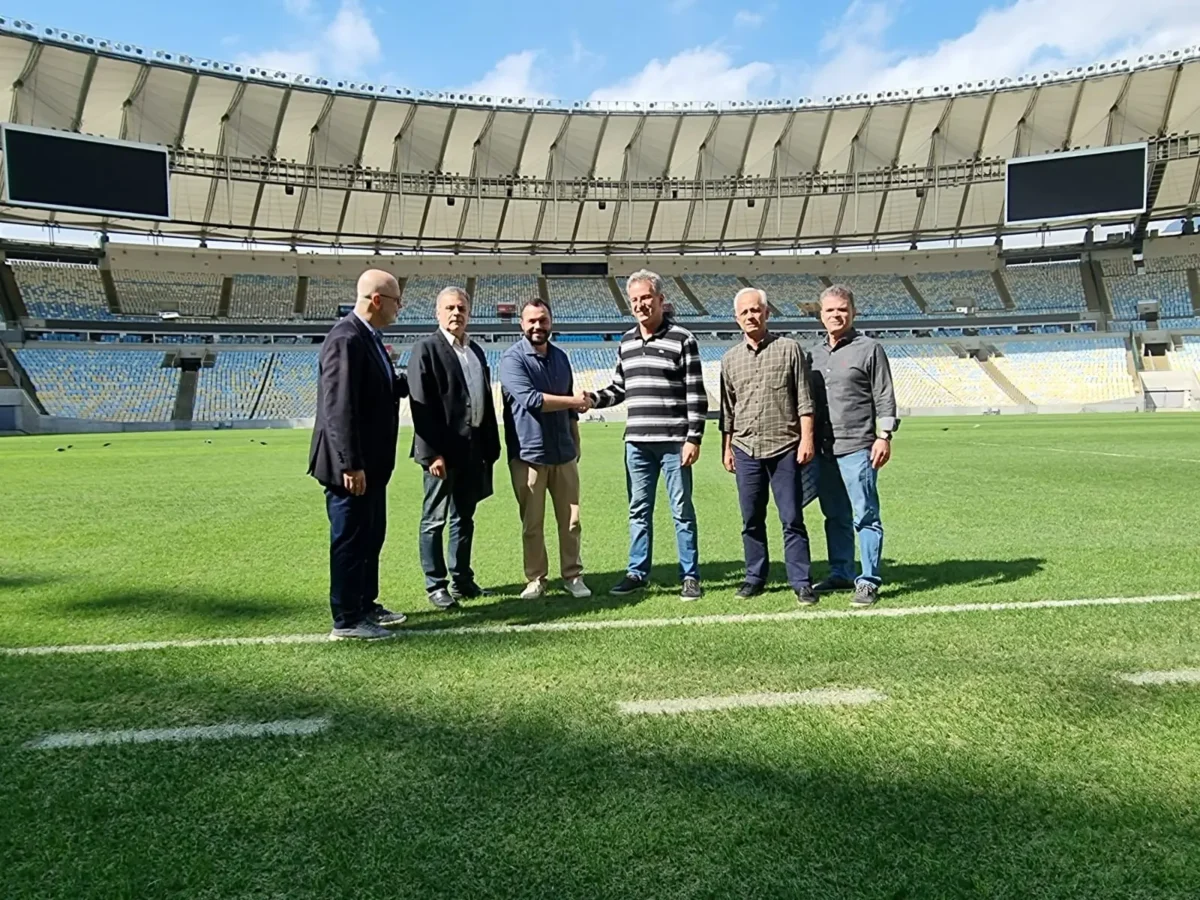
(530, 484)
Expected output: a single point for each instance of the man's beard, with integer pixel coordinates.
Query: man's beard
(539, 337)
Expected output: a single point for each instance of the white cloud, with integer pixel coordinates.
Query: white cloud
(703, 73)
(744, 18)
(346, 45)
(1022, 37)
(513, 76)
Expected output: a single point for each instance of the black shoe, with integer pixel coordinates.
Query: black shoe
(627, 585)
(748, 589)
(441, 599)
(806, 596)
(468, 591)
(865, 594)
(690, 589)
(833, 584)
(386, 618)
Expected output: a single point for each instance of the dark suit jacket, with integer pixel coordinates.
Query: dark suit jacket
(439, 406)
(358, 402)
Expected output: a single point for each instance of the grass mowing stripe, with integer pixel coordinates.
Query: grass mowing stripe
(1141, 457)
(1178, 676)
(178, 735)
(815, 697)
(613, 624)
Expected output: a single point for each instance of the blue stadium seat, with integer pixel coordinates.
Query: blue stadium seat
(229, 389)
(113, 385)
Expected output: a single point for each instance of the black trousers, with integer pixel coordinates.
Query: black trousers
(781, 476)
(357, 528)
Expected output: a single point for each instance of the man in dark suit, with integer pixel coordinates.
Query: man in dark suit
(456, 441)
(353, 454)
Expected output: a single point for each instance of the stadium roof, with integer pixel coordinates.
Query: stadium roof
(275, 157)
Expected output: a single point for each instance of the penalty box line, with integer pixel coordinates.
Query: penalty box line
(613, 624)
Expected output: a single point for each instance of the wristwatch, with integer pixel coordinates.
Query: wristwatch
(885, 436)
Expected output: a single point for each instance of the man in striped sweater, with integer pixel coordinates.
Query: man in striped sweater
(659, 378)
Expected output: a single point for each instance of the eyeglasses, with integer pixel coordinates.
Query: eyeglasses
(381, 294)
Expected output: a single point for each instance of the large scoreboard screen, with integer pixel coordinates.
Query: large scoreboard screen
(1109, 182)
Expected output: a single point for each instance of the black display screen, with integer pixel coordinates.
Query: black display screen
(575, 269)
(1076, 185)
(61, 170)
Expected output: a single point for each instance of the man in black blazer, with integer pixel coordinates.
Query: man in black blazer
(353, 453)
(456, 441)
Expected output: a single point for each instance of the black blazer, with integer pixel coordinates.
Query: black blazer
(439, 405)
(358, 407)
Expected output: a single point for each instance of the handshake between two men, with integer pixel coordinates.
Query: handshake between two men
(581, 402)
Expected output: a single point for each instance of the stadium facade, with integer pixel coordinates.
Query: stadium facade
(890, 192)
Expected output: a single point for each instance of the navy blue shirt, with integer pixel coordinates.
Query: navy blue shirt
(531, 435)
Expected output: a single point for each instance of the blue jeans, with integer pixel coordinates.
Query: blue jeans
(850, 503)
(643, 462)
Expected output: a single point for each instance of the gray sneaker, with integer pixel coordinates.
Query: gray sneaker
(441, 599)
(385, 618)
(690, 590)
(865, 594)
(363, 631)
(806, 596)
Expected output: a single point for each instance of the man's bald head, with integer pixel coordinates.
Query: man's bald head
(378, 298)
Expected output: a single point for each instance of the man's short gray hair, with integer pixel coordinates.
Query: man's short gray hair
(652, 278)
(456, 291)
(762, 295)
(838, 292)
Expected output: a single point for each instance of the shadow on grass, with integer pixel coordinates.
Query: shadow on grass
(181, 604)
(12, 582)
(914, 578)
(530, 799)
(507, 606)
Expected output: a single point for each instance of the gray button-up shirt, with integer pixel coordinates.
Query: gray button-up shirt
(852, 384)
(764, 392)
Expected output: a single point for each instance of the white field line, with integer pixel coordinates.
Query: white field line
(178, 735)
(1086, 452)
(816, 697)
(1178, 676)
(887, 612)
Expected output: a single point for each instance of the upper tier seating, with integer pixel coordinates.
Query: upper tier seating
(715, 293)
(1170, 289)
(1177, 263)
(944, 292)
(270, 297)
(491, 290)
(113, 385)
(787, 292)
(880, 296)
(229, 389)
(1046, 287)
(53, 290)
(191, 294)
(581, 300)
(325, 295)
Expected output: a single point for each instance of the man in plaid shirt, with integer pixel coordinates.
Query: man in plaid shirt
(767, 437)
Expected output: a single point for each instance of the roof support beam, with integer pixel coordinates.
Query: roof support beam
(550, 173)
(440, 162)
(88, 74)
(27, 70)
(664, 178)
(312, 161)
(462, 219)
(189, 98)
(516, 174)
(771, 201)
(741, 170)
(962, 209)
(362, 145)
(139, 84)
(590, 175)
(616, 216)
(235, 100)
(1110, 134)
(815, 170)
(687, 225)
(271, 151)
(851, 169)
(395, 171)
(1066, 143)
(895, 163)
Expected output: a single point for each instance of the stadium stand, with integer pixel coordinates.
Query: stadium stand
(325, 295)
(581, 300)
(1170, 289)
(265, 297)
(1092, 370)
(1178, 263)
(880, 296)
(491, 290)
(787, 292)
(946, 291)
(1186, 358)
(933, 375)
(1118, 265)
(53, 290)
(291, 388)
(1046, 287)
(189, 293)
(420, 294)
(715, 292)
(113, 385)
(229, 389)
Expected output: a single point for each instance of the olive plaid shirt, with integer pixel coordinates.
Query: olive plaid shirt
(764, 393)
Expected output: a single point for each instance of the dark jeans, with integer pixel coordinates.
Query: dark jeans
(451, 499)
(781, 475)
(357, 527)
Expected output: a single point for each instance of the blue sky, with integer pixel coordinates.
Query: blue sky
(652, 49)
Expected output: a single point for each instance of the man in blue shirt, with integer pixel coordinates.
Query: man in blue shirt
(541, 431)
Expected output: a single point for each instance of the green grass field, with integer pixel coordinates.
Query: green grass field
(1008, 760)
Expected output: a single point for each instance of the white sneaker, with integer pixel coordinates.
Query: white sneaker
(576, 588)
(533, 590)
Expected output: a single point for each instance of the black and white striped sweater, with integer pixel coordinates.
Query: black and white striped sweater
(661, 383)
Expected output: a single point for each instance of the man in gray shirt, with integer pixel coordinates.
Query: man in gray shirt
(856, 405)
